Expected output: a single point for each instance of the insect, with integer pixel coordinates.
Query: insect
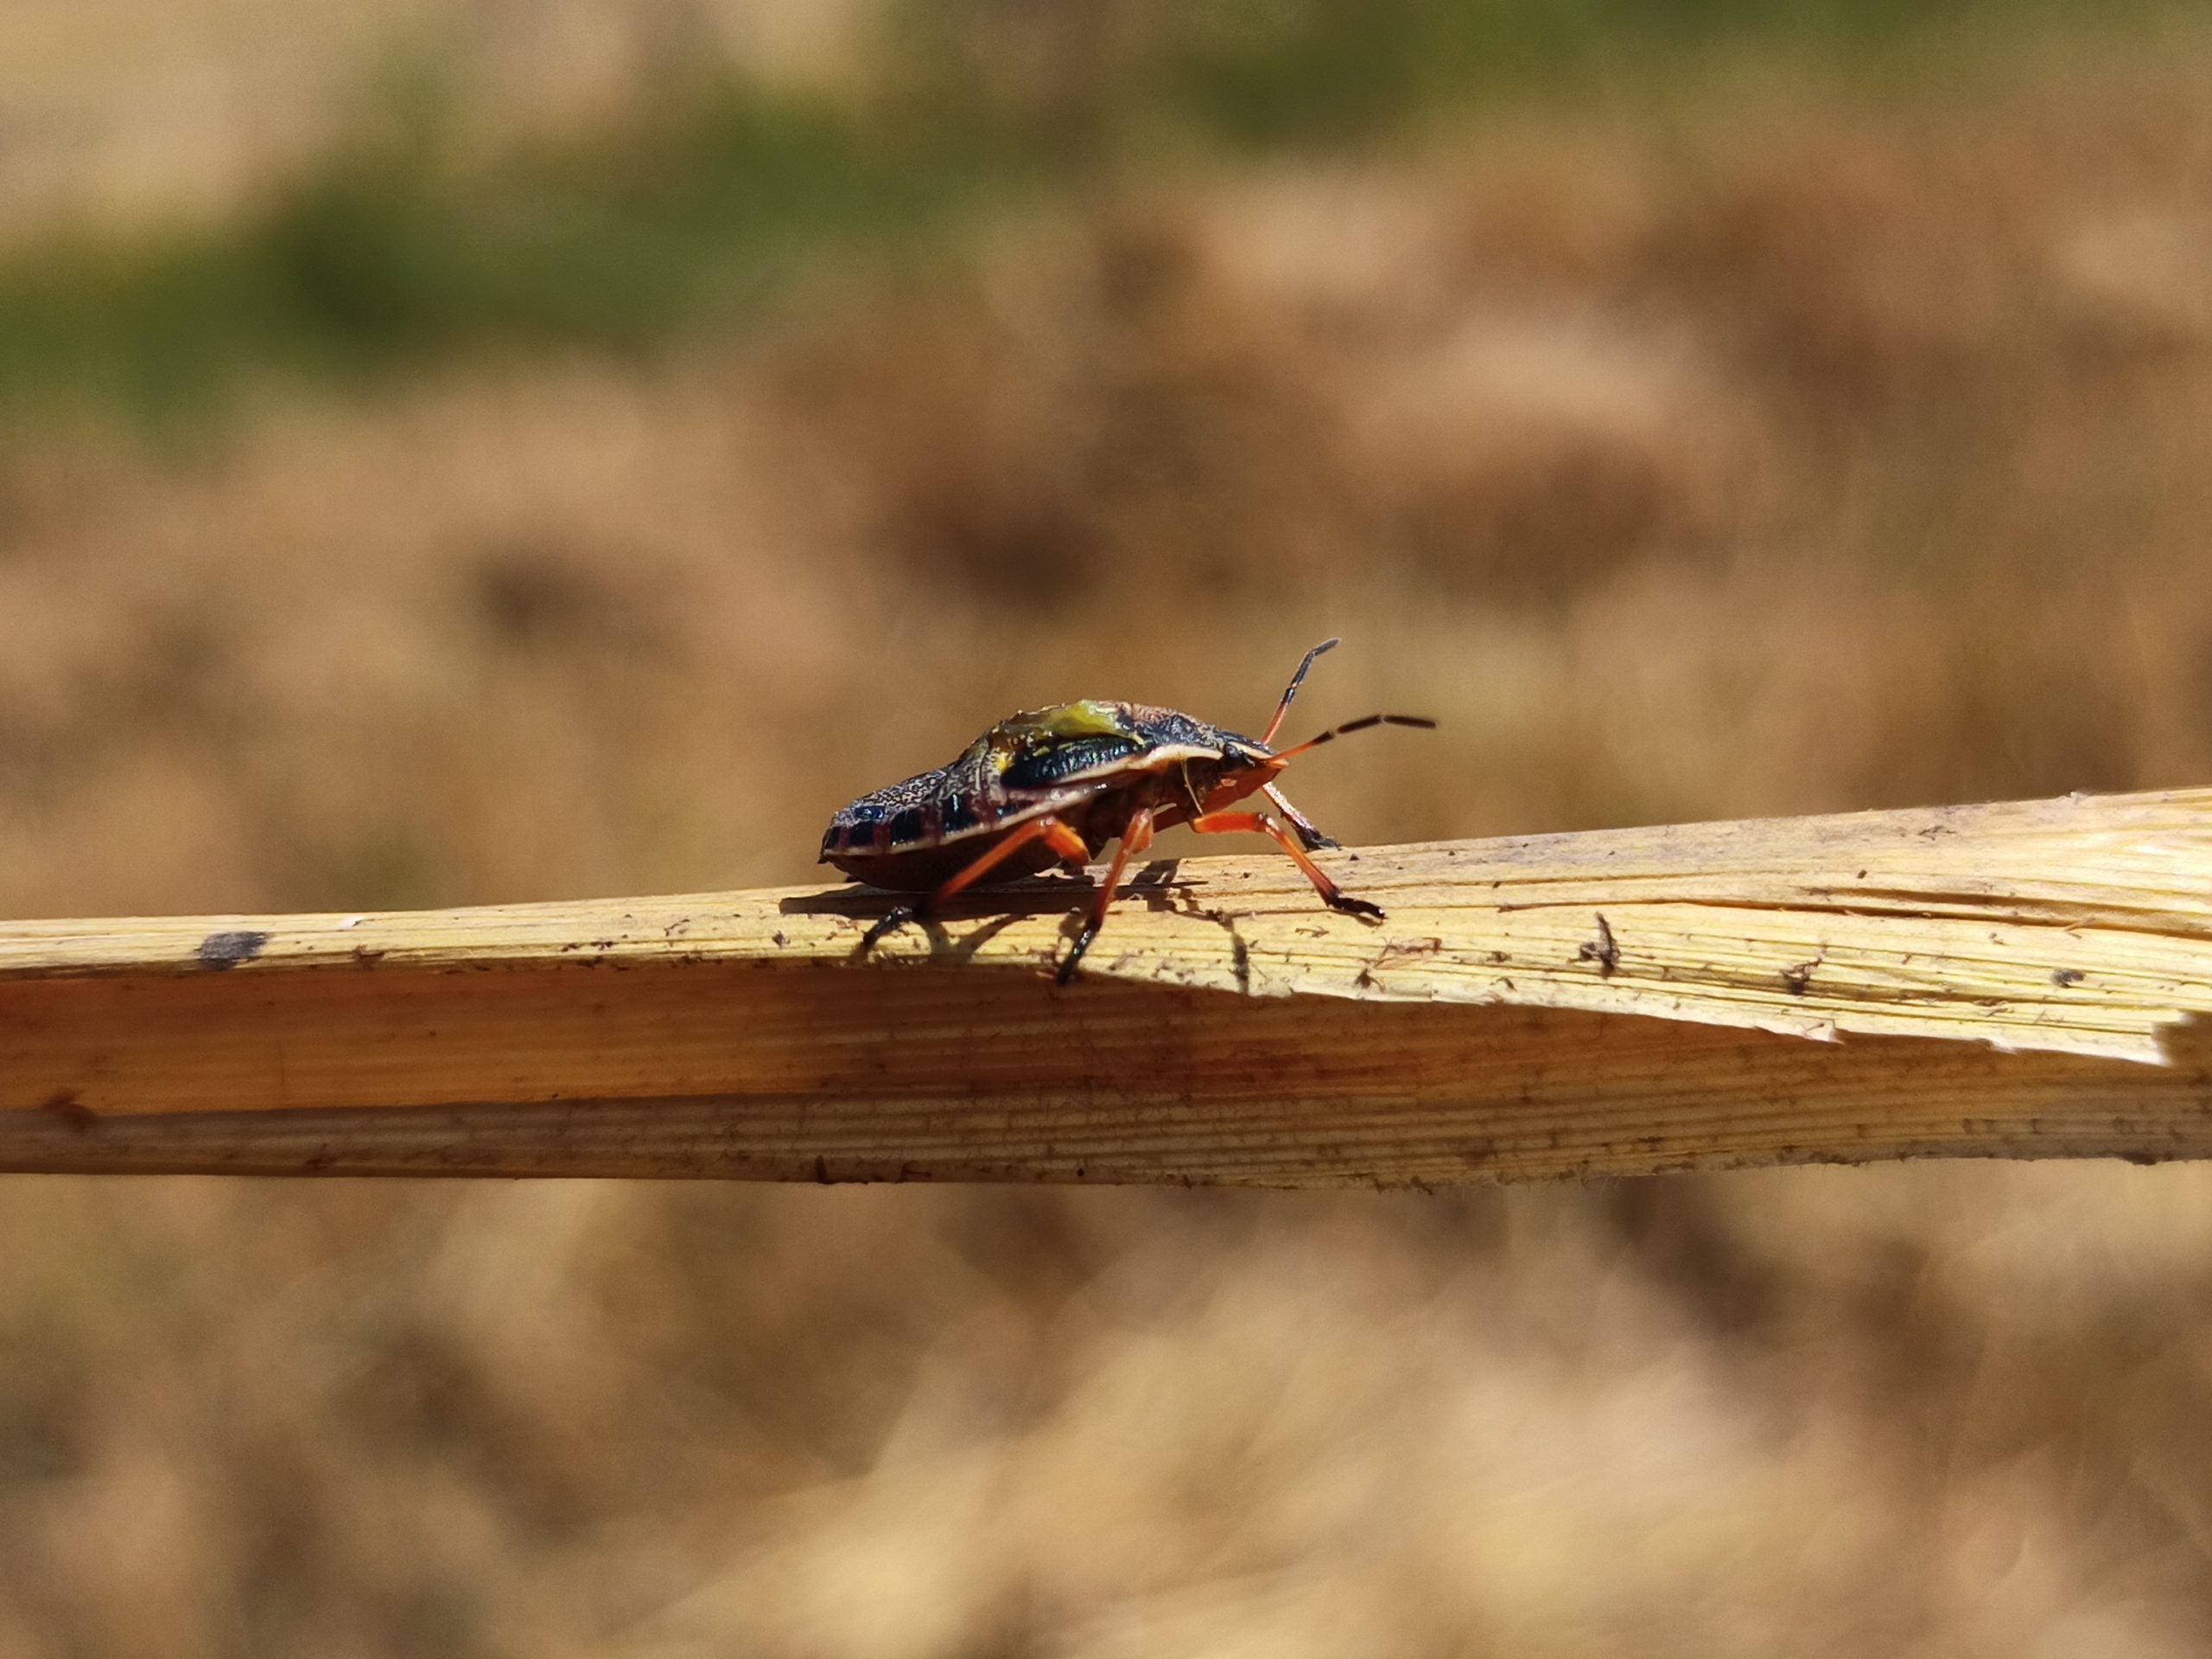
(1053, 785)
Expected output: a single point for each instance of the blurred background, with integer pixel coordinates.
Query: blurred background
(514, 449)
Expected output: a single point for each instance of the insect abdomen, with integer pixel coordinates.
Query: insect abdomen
(918, 812)
(918, 870)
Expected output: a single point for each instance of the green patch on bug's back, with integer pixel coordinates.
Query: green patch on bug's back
(1088, 718)
(1049, 748)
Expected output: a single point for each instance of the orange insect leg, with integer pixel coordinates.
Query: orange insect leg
(1062, 840)
(1048, 829)
(1134, 839)
(1231, 824)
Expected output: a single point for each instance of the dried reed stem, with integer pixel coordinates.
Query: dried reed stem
(2017, 981)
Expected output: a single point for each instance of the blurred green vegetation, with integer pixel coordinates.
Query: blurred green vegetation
(1346, 70)
(392, 252)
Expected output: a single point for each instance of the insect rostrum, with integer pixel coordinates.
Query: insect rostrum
(1053, 785)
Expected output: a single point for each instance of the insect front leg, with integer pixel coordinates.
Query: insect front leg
(1314, 838)
(1230, 823)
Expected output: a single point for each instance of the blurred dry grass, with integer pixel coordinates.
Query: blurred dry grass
(1781, 453)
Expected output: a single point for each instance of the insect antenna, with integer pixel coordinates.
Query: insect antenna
(1291, 690)
(1418, 722)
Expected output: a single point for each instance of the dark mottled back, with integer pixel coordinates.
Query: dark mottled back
(1075, 756)
(1052, 762)
(1054, 786)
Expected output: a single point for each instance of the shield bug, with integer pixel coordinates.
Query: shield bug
(1053, 785)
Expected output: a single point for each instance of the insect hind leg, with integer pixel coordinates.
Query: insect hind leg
(1047, 828)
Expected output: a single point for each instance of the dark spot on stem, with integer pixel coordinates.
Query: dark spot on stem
(220, 950)
(65, 1105)
(1603, 951)
(2062, 977)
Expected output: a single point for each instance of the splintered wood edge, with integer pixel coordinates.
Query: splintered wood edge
(2082, 925)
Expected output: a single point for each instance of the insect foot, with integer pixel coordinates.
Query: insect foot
(1066, 969)
(892, 920)
(1351, 907)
